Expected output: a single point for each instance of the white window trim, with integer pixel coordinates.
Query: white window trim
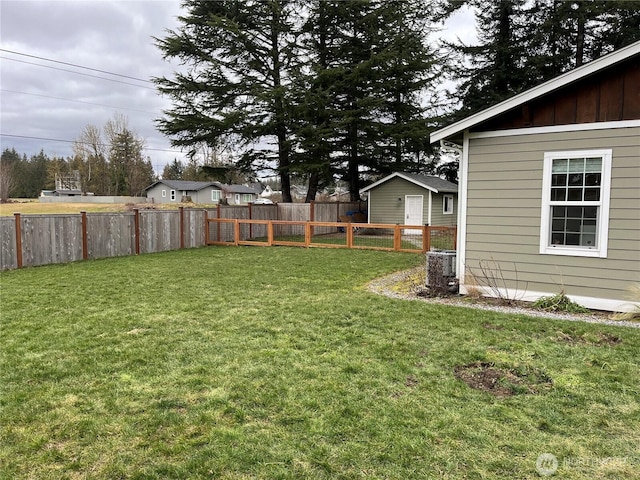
(603, 217)
(173, 195)
(444, 204)
(215, 195)
(164, 193)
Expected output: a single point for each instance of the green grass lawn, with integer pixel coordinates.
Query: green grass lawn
(244, 363)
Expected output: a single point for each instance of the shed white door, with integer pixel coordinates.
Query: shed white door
(413, 205)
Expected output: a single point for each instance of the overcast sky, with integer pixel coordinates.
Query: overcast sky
(43, 99)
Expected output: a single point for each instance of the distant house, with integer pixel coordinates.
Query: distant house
(239, 194)
(410, 199)
(177, 191)
(550, 186)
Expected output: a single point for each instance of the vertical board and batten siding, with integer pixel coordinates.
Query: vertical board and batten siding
(504, 195)
(8, 253)
(110, 234)
(51, 239)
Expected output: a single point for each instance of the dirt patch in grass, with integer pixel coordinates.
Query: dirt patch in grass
(502, 381)
(598, 339)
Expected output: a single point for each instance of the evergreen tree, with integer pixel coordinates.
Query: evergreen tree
(359, 107)
(173, 170)
(238, 56)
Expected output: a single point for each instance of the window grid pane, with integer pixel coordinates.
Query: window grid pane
(571, 177)
(574, 226)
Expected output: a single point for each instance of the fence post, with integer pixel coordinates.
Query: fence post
(270, 233)
(136, 226)
(307, 234)
(349, 228)
(181, 227)
(250, 218)
(426, 239)
(85, 247)
(18, 240)
(236, 231)
(312, 217)
(206, 227)
(219, 208)
(397, 238)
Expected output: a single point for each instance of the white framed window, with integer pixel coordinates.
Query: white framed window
(164, 193)
(247, 197)
(173, 195)
(447, 204)
(575, 203)
(215, 196)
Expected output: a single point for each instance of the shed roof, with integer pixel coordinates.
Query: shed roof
(537, 91)
(435, 184)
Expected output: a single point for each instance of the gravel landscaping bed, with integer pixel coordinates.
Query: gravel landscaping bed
(395, 286)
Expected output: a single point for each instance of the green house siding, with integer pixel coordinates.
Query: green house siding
(504, 196)
(387, 203)
(437, 216)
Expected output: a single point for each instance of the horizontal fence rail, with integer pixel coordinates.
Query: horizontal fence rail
(400, 238)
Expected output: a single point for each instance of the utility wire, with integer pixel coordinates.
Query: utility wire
(77, 141)
(76, 101)
(75, 65)
(77, 73)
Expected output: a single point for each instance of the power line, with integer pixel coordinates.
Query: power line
(76, 101)
(77, 73)
(75, 65)
(77, 141)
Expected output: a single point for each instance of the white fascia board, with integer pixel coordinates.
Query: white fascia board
(535, 92)
(394, 175)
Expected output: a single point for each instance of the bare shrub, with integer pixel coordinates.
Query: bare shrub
(490, 275)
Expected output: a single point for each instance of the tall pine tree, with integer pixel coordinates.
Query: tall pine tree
(237, 57)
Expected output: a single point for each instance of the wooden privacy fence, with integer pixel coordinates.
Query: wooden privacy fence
(31, 240)
(401, 238)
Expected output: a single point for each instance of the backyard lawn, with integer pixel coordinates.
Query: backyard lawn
(247, 363)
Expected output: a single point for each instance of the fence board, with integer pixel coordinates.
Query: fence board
(194, 226)
(51, 239)
(8, 254)
(110, 234)
(159, 231)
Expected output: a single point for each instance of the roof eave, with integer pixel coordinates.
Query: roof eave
(401, 175)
